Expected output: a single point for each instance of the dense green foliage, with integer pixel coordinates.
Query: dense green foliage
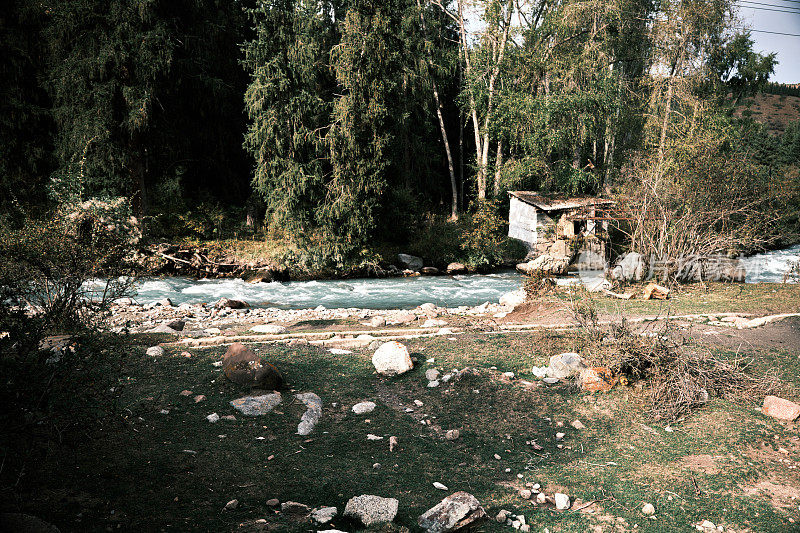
(338, 124)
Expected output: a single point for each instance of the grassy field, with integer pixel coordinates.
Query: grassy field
(143, 457)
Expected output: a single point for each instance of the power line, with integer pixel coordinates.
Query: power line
(770, 5)
(772, 32)
(769, 9)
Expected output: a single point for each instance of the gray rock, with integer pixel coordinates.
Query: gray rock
(223, 303)
(392, 358)
(270, 329)
(155, 351)
(370, 509)
(313, 412)
(432, 374)
(452, 513)
(363, 408)
(452, 434)
(243, 367)
(562, 501)
(710, 268)
(545, 264)
(323, 515)
(514, 298)
(256, 405)
(162, 328)
(565, 365)
(456, 268)
(295, 508)
(430, 271)
(177, 325)
(410, 262)
(377, 321)
(630, 267)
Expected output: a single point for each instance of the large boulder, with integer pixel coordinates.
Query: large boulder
(370, 509)
(630, 267)
(456, 268)
(545, 264)
(514, 298)
(243, 367)
(223, 303)
(565, 365)
(454, 512)
(710, 268)
(780, 408)
(410, 262)
(392, 358)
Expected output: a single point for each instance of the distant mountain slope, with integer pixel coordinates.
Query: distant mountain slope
(773, 110)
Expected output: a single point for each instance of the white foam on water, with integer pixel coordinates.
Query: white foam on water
(399, 293)
(386, 293)
(770, 267)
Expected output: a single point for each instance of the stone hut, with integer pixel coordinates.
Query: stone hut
(560, 230)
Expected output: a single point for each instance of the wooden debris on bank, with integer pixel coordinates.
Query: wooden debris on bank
(655, 292)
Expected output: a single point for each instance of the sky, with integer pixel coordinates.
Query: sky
(787, 47)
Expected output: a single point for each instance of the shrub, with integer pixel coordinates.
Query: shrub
(60, 276)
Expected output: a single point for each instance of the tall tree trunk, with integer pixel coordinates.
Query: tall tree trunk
(498, 165)
(453, 185)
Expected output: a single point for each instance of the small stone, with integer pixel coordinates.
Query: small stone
(370, 436)
(433, 384)
(525, 494)
(376, 466)
(363, 408)
(199, 398)
(501, 517)
(562, 501)
(497, 456)
(525, 528)
(231, 505)
(560, 436)
(577, 424)
(432, 374)
(550, 381)
(186, 393)
(155, 351)
(213, 418)
(418, 403)
(452, 434)
(541, 498)
(392, 443)
(439, 486)
(648, 509)
(273, 502)
(515, 524)
(509, 375)
(707, 524)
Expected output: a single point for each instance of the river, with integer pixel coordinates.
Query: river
(397, 293)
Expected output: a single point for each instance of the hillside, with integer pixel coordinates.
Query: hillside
(774, 111)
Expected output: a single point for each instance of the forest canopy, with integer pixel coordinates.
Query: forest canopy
(338, 124)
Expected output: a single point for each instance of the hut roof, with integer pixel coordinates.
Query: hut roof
(557, 202)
